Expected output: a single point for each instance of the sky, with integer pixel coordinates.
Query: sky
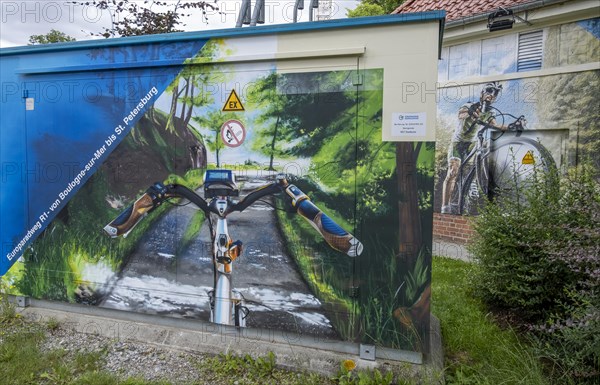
(19, 19)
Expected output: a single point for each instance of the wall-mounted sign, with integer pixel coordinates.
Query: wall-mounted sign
(408, 124)
(233, 103)
(233, 133)
(528, 158)
(29, 104)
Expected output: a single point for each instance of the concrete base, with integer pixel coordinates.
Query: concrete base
(450, 249)
(292, 351)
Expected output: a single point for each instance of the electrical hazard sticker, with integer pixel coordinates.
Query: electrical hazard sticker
(528, 158)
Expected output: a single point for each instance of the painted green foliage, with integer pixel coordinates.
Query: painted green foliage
(161, 146)
(329, 124)
(380, 297)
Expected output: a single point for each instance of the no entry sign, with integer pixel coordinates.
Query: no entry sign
(233, 133)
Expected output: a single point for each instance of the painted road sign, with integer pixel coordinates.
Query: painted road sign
(233, 103)
(233, 133)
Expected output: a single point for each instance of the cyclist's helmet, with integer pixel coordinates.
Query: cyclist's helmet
(492, 88)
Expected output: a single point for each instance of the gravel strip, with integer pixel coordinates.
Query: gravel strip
(128, 358)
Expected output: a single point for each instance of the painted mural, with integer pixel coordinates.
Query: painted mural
(494, 135)
(319, 128)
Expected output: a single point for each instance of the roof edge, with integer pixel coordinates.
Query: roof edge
(527, 6)
(230, 32)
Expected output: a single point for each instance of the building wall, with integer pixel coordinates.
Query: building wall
(317, 106)
(556, 94)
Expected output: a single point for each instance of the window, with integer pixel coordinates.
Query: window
(498, 55)
(463, 61)
(530, 50)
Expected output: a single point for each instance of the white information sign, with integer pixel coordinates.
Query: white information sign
(408, 124)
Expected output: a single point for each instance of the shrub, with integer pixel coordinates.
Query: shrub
(539, 257)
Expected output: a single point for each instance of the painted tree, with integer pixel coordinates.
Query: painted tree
(376, 183)
(410, 239)
(570, 100)
(189, 89)
(210, 124)
(311, 107)
(270, 124)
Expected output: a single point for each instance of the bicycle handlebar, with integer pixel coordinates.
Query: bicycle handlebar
(518, 125)
(338, 238)
(128, 219)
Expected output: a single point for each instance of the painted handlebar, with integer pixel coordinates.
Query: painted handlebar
(338, 238)
(128, 219)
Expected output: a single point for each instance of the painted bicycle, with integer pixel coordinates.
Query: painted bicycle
(499, 163)
(220, 188)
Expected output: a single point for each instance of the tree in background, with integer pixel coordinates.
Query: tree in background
(210, 124)
(129, 18)
(374, 8)
(264, 95)
(187, 90)
(54, 36)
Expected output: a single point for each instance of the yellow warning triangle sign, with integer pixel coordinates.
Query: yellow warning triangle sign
(528, 158)
(233, 103)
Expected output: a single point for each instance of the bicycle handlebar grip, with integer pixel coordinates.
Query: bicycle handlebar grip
(338, 238)
(128, 219)
(517, 125)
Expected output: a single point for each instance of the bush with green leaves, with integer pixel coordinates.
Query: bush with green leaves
(539, 257)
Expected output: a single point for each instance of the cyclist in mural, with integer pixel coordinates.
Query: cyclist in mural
(469, 116)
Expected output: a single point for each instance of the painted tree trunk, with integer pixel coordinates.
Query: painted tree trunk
(408, 205)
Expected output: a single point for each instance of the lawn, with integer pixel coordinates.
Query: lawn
(477, 350)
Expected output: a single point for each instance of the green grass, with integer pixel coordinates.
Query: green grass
(55, 263)
(318, 273)
(329, 274)
(22, 362)
(477, 350)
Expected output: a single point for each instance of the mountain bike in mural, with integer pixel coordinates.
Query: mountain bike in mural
(227, 305)
(499, 164)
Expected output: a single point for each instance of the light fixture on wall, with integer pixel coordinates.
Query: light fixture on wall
(500, 20)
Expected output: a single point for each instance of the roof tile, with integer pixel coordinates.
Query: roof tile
(456, 9)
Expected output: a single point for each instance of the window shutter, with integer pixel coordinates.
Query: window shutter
(530, 52)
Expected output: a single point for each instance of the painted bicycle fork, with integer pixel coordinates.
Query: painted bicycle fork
(226, 304)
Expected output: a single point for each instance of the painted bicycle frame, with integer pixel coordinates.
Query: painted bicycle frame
(482, 174)
(227, 305)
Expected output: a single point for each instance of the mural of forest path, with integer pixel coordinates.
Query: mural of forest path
(160, 279)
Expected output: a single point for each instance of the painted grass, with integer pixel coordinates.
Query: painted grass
(477, 350)
(192, 231)
(328, 273)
